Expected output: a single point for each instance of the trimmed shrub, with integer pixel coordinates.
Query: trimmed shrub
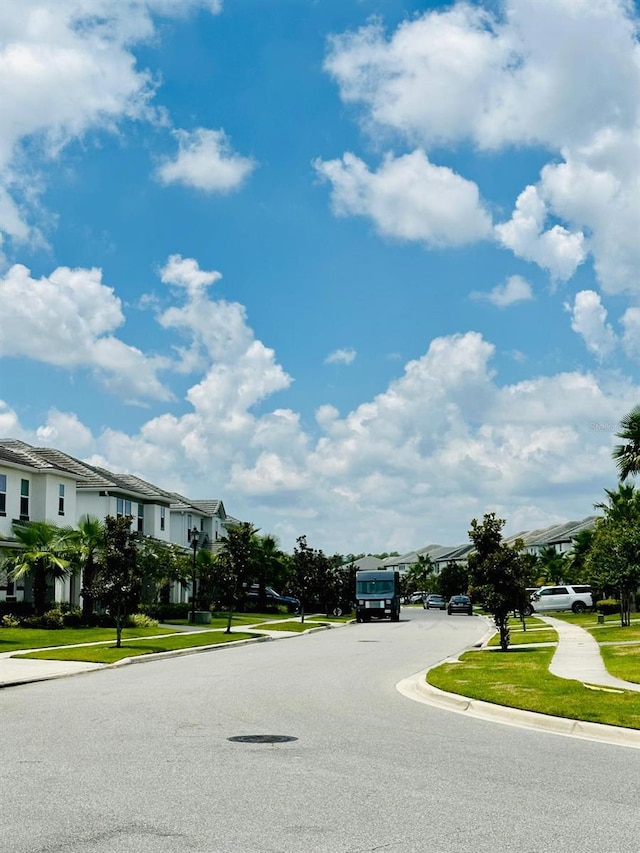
(608, 606)
(162, 612)
(9, 621)
(141, 620)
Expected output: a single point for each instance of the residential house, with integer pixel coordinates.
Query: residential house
(45, 484)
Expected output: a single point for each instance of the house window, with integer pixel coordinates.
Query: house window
(3, 494)
(189, 524)
(127, 507)
(163, 515)
(119, 508)
(140, 518)
(24, 500)
(61, 499)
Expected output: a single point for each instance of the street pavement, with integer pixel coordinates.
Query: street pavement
(577, 657)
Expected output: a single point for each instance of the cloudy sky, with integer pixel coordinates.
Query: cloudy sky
(361, 269)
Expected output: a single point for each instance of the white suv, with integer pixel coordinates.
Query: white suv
(550, 598)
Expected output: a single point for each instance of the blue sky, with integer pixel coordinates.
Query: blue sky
(361, 269)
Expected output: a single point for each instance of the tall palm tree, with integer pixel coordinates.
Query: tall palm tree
(551, 564)
(88, 541)
(627, 456)
(42, 556)
(624, 504)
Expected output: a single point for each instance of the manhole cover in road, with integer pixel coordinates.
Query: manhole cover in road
(262, 738)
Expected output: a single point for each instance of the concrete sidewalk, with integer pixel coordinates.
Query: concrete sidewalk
(578, 657)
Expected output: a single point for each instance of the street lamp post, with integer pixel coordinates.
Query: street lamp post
(195, 535)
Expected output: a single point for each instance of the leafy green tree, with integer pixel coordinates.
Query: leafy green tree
(87, 542)
(42, 557)
(117, 582)
(235, 562)
(627, 456)
(613, 561)
(453, 579)
(304, 565)
(160, 564)
(498, 571)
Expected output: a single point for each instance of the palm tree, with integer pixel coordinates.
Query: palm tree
(42, 556)
(578, 555)
(88, 541)
(268, 557)
(551, 564)
(627, 456)
(624, 504)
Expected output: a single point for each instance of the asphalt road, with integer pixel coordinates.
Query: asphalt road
(138, 759)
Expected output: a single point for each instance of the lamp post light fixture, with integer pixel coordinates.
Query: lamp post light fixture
(195, 538)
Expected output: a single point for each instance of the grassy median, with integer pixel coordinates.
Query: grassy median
(107, 653)
(520, 678)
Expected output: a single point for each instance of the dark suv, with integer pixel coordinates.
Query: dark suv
(271, 598)
(459, 604)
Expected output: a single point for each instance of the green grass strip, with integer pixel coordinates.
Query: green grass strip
(520, 678)
(519, 638)
(622, 661)
(616, 634)
(297, 627)
(13, 639)
(111, 654)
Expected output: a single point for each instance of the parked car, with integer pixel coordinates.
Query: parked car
(549, 599)
(272, 598)
(415, 598)
(459, 604)
(435, 601)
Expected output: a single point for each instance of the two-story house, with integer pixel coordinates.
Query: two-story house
(45, 484)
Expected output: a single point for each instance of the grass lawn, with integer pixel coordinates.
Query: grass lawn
(13, 639)
(298, 627)
(518, 637)
(615, 633)
(622, 661)
(520, 678)
(219, 620)
(110, 654)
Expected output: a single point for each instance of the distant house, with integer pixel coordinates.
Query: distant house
(45, 484)
(366, 564)
(559, 536)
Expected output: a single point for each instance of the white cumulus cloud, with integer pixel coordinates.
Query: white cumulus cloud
(68, 319)
(409, 198)
(589, 319)
(515, 289)
(341, 356)
(206, 161)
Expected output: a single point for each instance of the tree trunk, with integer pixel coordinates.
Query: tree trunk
(39, 589)
(502, 624)
(88, 601)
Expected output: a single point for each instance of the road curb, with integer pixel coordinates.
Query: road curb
(416, 687)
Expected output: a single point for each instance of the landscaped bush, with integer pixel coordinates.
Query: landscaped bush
(71, 615)
(9, 621)
(50, 620)
(141, 620)
(20, 609)
(608, 606)
(163, 612)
